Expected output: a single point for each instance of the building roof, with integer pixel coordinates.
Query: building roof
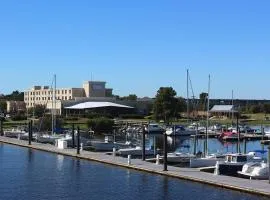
(95, 104)
(223, 108)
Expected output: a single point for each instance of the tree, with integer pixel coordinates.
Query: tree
(38, 110)
(165, 104)
(131, 97)
(181, 104)
(3, 106)
(45, 123)
(101, 124)
(15, 96)
(203, 98)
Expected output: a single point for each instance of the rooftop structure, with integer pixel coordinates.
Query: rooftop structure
(223, 109)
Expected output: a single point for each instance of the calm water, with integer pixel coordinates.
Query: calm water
(30, 174)
(214, 145)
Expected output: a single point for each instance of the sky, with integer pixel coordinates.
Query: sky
(137, 46)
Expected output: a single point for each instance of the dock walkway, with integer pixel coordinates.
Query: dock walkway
(257, 187)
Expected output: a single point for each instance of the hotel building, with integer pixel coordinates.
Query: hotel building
(43, 95)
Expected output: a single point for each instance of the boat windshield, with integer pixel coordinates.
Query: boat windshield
(241, 159)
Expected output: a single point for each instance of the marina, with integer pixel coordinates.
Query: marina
(258, 187)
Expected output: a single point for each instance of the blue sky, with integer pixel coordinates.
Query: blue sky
(137, 46)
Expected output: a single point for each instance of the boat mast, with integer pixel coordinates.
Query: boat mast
(232, 108)
(187, 96)
(207, 114)
(53, 103)
(54, 99)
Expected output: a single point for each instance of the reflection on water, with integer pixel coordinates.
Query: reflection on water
(30, 174)
(186, 144)
(59, 162)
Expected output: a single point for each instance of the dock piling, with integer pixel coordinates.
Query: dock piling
(81, 147)
(165, 165)
(129, 159)
(30, 124)
(157, 160)
(114, 151)
(1, 127)
(245, 146)
(143, 143)
(238, 133)
(78, 140)
(73, 136)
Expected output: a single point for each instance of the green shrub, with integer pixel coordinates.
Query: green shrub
(71, 118)
(101, 124)
(98, 115)
(18, 117)
(131, 116)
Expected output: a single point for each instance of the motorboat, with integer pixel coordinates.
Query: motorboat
(108, 144)
(154, 128)
(179, 157)
(234, 163)
(207, 161)
(14, 133)
(47, 138)
(179, 131)
(255, 170)
(231, 136)
(136, 151)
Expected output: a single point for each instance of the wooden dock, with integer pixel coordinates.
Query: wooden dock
(257, 187)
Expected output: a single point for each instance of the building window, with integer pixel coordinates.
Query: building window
(69, 97)
(69, 91)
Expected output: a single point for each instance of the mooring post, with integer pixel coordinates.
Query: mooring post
(31, 136)
(78, 140)
(1, 126)
(73, 136)
(29, 133)
(245, 146)
(195, 140)
(238, 133)
(165, 167)
(143, 143)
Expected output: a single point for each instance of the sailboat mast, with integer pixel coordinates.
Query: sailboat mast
(187, 95)
(53, 89)
(232, 107)
(207, 114)
(52, 108)
(54, 99)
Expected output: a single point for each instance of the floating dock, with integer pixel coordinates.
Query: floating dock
(257, 187)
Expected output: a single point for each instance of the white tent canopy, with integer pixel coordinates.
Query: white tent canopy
(93, 104)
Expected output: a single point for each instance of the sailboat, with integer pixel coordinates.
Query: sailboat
(208, 159)
(51, 138)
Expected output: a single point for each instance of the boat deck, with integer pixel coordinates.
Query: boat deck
(259, 187)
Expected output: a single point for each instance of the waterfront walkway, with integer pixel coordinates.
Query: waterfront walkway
(245, 185)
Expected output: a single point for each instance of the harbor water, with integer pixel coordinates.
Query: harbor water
(32, 174)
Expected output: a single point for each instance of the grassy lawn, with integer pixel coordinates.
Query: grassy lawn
(251, 119)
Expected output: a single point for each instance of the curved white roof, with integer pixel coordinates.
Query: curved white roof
(93, 104)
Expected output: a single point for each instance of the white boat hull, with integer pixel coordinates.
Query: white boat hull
(135, 152)
(204, 162)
